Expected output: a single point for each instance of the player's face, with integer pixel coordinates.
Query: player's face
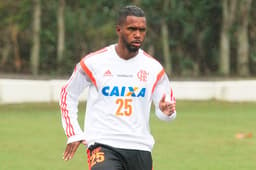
(132, 32)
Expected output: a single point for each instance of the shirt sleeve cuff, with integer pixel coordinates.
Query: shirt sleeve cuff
(76, 138)
(165, 117)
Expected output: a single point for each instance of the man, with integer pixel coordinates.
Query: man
(123, 80)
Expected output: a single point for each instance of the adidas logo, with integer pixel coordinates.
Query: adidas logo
(108, 73)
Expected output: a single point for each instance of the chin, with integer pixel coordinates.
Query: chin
(133, 48)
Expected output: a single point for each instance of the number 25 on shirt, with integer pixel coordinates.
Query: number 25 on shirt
(124, 107)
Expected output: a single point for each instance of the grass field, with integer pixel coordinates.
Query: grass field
(201, 138)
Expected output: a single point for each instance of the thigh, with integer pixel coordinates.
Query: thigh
(138, 160)
(104, 158)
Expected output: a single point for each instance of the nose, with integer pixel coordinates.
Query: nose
(137, 33)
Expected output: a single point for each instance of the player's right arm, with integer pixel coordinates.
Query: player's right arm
(68, 102)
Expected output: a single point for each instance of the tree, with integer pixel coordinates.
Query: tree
(242, 38)
(11, 30)
(34, 58)
(61, 32)
(6, 47)
(190, 37)
(14, 38)
(165, 39)
(228, 15)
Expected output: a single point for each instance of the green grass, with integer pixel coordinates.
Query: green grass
(201, 138)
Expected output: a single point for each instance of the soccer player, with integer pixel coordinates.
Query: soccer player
(122, 82)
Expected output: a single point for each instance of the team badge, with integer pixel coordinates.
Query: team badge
(142, 75)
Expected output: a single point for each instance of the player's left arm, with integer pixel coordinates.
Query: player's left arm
(164, 100)
(167, 106)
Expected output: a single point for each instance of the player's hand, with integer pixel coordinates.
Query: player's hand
(71, 149)
(167, 108)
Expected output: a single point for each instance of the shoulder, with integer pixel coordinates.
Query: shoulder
(96, 55)
(95, 59)
(150, 60)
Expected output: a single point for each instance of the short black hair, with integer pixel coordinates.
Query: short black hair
(130, 10)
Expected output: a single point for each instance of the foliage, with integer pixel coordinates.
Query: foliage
(194, 28)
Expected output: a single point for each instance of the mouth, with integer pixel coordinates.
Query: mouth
(136, 43)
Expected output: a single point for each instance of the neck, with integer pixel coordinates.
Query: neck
(124, 53)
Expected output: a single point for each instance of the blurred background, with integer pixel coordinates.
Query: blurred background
(191, 38)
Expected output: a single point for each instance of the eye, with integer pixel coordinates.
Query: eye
(132, 28)
(142, 29)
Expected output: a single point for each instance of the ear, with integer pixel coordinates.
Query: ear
(118, 28)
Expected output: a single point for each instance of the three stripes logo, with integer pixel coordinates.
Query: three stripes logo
(108, 73)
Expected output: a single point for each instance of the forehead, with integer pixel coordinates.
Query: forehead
(135, 21)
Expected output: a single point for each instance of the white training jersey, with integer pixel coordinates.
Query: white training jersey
(120, 93)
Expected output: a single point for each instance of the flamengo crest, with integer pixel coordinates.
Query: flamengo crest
(142, 75)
